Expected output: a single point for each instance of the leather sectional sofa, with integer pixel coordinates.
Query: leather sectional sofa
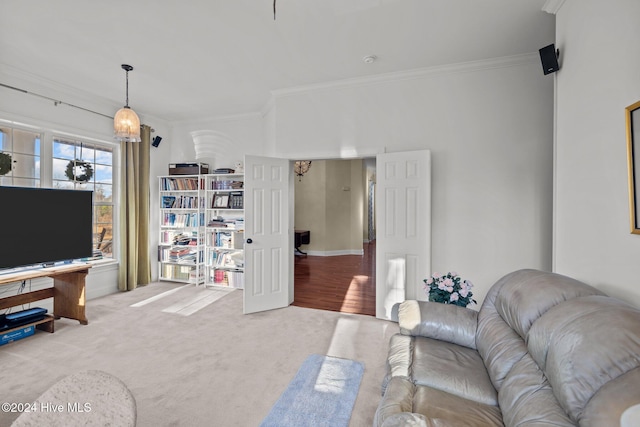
(544, 350)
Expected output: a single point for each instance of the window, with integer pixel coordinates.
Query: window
(31, 158)
(80, 165)
(19, 157)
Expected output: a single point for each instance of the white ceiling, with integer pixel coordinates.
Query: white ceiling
(203, 58)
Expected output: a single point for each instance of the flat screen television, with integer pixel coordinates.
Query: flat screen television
(44, 226)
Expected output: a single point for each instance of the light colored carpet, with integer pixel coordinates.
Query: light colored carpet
(321, 394)
(214, 367)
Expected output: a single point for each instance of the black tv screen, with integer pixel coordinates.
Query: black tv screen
(42, 226)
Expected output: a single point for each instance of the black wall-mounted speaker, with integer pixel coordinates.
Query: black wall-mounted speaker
(156, 141)
(549, 58)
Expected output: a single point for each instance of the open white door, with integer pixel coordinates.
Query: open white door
(268, 247)
(403, 245)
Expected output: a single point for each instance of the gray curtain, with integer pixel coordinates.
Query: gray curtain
(135, 265)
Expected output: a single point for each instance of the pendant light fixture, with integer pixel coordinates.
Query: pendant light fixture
(126, 124)
(301, 167)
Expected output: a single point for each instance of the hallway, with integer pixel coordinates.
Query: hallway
(343, 283)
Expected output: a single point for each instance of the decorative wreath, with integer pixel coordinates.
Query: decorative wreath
(5, 163)
(87, 171)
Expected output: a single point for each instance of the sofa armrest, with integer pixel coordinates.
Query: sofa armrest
(445, 322)
(397, 399)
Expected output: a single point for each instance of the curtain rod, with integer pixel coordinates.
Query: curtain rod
(56, 102)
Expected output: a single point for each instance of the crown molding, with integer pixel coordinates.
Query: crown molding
(204, 121)
(464, 67)
(552, 6)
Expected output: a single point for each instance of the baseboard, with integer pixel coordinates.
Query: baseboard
(337, 253)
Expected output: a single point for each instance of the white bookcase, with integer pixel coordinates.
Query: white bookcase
(224, 230)
(181, 246)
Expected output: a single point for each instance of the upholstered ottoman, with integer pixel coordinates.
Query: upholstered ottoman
(89, 398)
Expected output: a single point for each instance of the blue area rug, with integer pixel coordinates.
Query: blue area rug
(322, 393)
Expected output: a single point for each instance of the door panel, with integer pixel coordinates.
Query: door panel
(268, 245)
(403, 247)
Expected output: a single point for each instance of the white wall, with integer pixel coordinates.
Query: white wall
(236, 136)
(599, 77)
(489, 128)
(329, 202)
(487, 124)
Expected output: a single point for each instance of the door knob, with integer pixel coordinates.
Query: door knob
(249, 241)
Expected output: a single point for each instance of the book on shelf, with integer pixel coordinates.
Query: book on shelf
(232, 223)
(226, 239)
(184, 273)
(231, 278)
(180, 184)
(223, 258)
(168, 201)
(171, 219)
(236, 200)
(227, 185)
(181, 202)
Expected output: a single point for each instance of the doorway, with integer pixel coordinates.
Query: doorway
(334, 201)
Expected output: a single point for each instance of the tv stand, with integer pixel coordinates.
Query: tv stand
(68, 292)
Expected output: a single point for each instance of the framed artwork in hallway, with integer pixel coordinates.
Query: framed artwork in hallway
(633, 158)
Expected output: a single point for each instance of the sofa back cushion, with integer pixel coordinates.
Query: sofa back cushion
(583, 344)
(526, 398)
(512, 305)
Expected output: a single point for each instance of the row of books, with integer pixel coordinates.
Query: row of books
(226, 258)
(181, 272)
(232, 223)
(179, 254)
(227, 185)
(226, 239)
(169, 184)
(231, 278)
(182, 202)
(170, 219)
(172, 237)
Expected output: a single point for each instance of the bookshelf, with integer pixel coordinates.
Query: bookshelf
(181, 245)
(224, 230)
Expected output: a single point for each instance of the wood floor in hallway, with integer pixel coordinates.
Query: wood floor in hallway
(344, 283)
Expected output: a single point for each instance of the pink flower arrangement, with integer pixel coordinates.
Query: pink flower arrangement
(449, 289)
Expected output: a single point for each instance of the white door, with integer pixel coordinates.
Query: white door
(268, 247)
(403, 245)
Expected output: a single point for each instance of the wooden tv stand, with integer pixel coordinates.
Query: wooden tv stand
(68, 292)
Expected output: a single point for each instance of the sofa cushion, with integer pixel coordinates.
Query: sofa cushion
(526, 398)
(437, 408)
(509, 310)
(452, 368)
(446, 410)
(583, 344)
(530, 293)
(612, 400)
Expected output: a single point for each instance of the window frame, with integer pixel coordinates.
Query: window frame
(47, 137)
(93, 144)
